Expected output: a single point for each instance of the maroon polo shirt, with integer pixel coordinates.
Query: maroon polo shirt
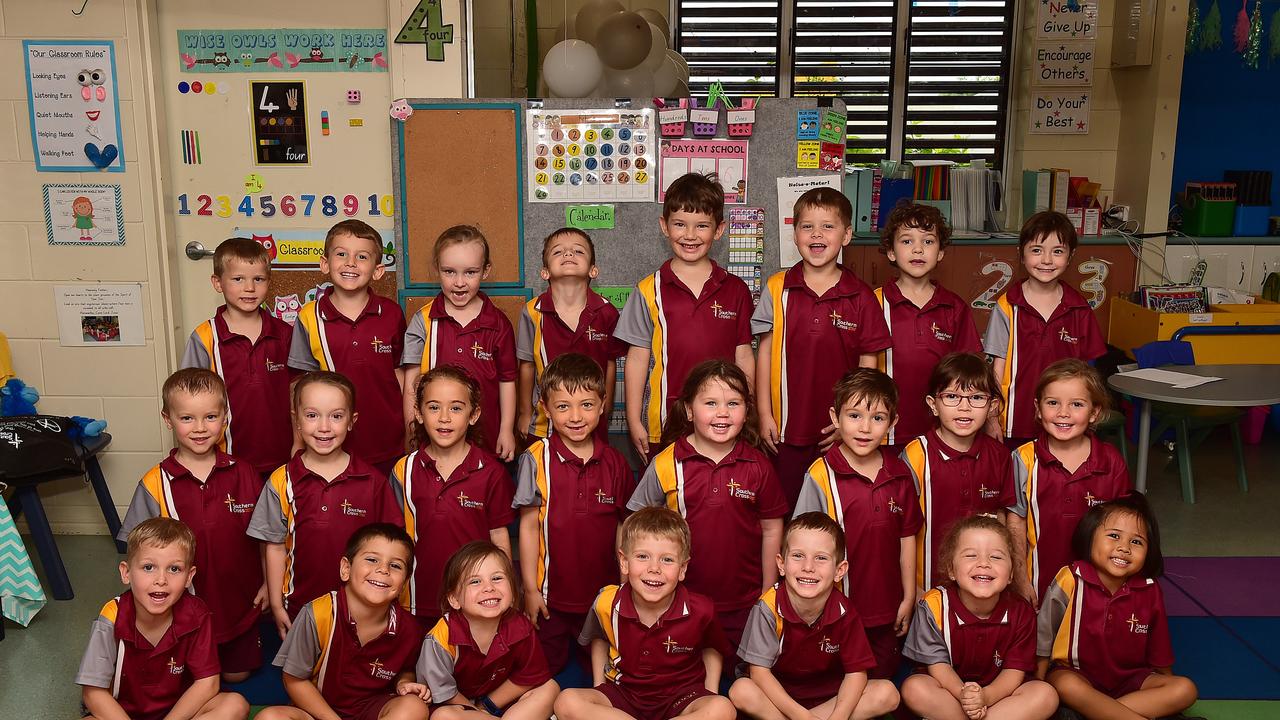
(543, 336)
(580, 506)
(953, 485)
(149, 680)
(1053, 500)
(314, 518)
(1029, 344)
(514, 655)
(257, 377)
(810, 661)
(443, 514)
(978, 649)
(367, 350)
(921, 337)
(218, 512)
(1115, 641)
(654, 664)
(724, 504)
(816, 341)
(876, 515)
(485, 348)
(326, 650)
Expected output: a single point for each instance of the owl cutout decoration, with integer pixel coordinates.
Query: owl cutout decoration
(286, 308)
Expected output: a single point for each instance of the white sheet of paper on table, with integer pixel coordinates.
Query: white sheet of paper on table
(1178, 380)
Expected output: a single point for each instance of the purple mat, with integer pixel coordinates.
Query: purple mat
(1225, 586)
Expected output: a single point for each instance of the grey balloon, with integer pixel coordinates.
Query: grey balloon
(656, 18)
(587, 22)
(623, 40)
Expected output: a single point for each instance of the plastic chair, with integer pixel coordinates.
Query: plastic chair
(1191, 423)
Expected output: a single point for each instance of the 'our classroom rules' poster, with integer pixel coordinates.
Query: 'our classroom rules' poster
(74, 105)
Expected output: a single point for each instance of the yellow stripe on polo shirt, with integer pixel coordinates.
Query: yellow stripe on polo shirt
(671, 478)
(408, 594)
(778, 387)
(110, 610)
(933, 601)
(541, 421)
(1026, 455)
(429, 354)
(656, 411)
(823, 475)
(440, 633)
(1066, 639)
(1010, 374)
(154, 483)
(208, 336)
(770, 598)
(541, 453)
(325, 612)
(916, 455)
(283, 487)
(607, 615)
(309, 316)
(884, 359)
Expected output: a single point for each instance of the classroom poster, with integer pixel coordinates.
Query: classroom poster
(100, 315)
(746, 246)
(1067, 19)
(1060, 113)
(81, 214)
(283, 50)
(1063, 63)
(74, 105)
(590, 155)
(297, 249)
(726, 158)
(279, 111)
(789, 190)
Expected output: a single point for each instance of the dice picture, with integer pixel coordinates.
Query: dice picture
(353, 97)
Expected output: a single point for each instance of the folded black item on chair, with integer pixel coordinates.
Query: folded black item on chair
(37, 447)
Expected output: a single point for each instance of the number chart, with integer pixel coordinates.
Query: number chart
(290, 205)
(606, 155)
(279, 123)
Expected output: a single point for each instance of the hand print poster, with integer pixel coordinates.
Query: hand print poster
(80, 214)
(279, 112)
(74, 105)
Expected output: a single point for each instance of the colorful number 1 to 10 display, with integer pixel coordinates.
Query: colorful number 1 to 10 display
(288, 205)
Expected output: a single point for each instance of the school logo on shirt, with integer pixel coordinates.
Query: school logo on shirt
(894, 507)
(380, 347)
(718, 312)
(274, 366)
(828, 647)
(738, 491)
(377, 670)
(1136, 627)
(603, 498)
(987, 493)
(939, 334)
(478, 352)
(840, 323)
(176, 669)
(352, 510)
(1090, 499)
(236, 508)
(674, 647)
(595, 336)
(996, 659)
(1065, 337)
(468, 503)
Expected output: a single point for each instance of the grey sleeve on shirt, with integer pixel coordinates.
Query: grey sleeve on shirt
(762, 318)
(195, 356)
(924, 640)
(524, 337)
(141, 507)
(301, 646)
(591, 629)
(267, 521)
(635, 327)
(415, 341)
(649, 492)
(1053, 608)
(810, 499)
(760, 645)
(911, 468)
(1019, 486)
(435, 670)
(996, 340)
(300, 357)
(397, 482)
(98, 666)
(527, 492)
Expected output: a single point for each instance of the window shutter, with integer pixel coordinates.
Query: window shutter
(733, 41)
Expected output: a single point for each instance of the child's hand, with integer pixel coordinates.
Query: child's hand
(283, 623)
(769, 433)
(639, 440)
(973, 700)
(506, 447)
(414, 688)
(829, 438)
(523, 420)
(535, 607)
(262, 600)
(903, 620)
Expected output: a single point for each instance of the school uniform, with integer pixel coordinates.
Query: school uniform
(810, 661)
(217, 511)
(978, 649)
(654, 673)
(921, 337)
(1053, 500)
(443, 514)
(580, 506)
(147, 680)
(1029, 343)
(451, 663)
(367, 351)
(485, 348)
(724, 504)
(356, 679)
(953, 485)
(681, 330)
(257, 377)
(815, 341)
(875, 514)
(1116, 641)
(314, 518)
(542, 336)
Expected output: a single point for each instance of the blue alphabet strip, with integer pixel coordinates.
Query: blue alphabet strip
(290, 51)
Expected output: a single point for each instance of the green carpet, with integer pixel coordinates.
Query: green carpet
(1236, 709)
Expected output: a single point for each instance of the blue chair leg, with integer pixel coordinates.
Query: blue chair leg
(1184, 463)
(105, 501)
(42, 536)
(1239, 448)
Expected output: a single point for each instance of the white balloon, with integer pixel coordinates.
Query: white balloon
(681, 63)
(657, 50)
(572, 68)
(633, 83)
(656, 18)
(682, 89)
(587, 22)
(666, 78)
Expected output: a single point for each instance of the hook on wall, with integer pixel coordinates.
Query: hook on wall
(83, 5)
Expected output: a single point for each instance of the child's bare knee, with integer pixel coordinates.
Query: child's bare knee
(1044, 697)
(718, 707)
(881, 695)
(274, 712)
(405, 707)
(743, 691)
(1187, 692)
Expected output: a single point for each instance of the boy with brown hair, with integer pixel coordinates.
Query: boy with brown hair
(248, 348)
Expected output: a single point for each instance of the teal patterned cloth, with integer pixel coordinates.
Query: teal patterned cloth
(21, 596)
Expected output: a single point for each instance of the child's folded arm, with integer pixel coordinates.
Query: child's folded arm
(849, 695)
(195, 698)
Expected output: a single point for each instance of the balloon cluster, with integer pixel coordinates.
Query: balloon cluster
(608, 51)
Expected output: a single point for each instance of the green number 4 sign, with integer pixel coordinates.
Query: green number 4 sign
(426, 26)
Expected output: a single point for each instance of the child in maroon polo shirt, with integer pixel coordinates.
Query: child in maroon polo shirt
(322, 495)
(1103, 631)
(927, 321)
(151, 653)
(958, 469)
(215, 493)
(815, 320)
(688, 311)
(351, 330)
(483, 654)
(571, 491)
(450, 490)
(350, 652)
(713, 475)
(656, 648)
(974, 636)
(461, 326)
(868, 490)
(804, 644)
(249, 349)
(568, 317)
(1061, 474)
(1037, 321)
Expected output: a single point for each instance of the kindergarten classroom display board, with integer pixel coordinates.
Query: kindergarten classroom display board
(74, 105)
(596, 155)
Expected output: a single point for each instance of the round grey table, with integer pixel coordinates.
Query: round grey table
(1240, 386)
